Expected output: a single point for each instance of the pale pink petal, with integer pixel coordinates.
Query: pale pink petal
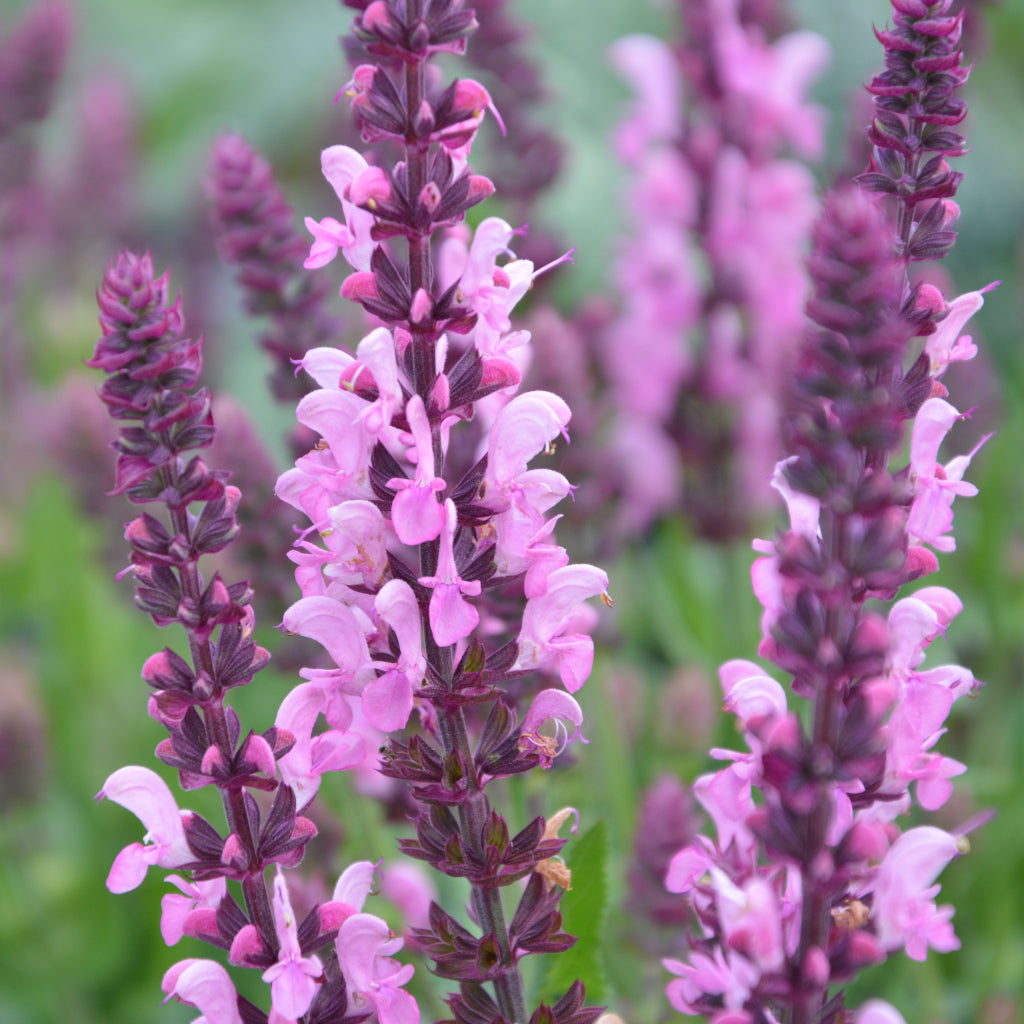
(326, 365)
(490, 240)
(396, 1006)
(551, 706)
(687, 868)
(875, 1011)
(205, 985)
(750, 918)
(932, 423)
(129, 868)
(358, 942)
(904, 911)
(452, 617)
(750, 693)
(334, 626)
(387, 701)
(945, 345)
(396, 604)
(416, 513)
(525, 426)
(804, 510)
(354, 884)
(292, 987)
(149, 798)
(574, 656)
(649, 66)
(175, 908)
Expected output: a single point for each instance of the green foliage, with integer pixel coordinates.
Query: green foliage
(584, 909)
(66, 945)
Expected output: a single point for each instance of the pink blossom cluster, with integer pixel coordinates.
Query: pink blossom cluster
(751, 908)
(811, 877)
(784, 851)
(429, 574)
(711, 276)
(380, 437)
(363, 942)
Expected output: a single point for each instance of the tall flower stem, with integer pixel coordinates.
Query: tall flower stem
(455, 567)
(815, 882)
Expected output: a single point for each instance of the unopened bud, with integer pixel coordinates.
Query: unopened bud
(430, 197)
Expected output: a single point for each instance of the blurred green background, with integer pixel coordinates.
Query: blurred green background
(71, 645)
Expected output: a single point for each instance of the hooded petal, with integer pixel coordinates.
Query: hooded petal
(205, 985)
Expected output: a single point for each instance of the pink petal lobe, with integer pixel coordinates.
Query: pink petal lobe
(387, 701)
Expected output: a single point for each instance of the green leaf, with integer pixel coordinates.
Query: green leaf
(583, 908)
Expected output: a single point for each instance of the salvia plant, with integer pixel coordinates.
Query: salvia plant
(451, 630)
(812, 875)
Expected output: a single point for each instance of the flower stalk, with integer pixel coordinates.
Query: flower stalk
(815, 881)
(430, 549)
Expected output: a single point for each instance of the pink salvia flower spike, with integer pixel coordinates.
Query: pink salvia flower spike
(808, 878)
(459, 587)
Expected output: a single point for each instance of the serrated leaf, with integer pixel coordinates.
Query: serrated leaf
(583, 909)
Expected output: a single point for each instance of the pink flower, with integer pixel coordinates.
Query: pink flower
(149, 798)
(373, 980)
(377, 367)
(915, 726)
(387, 701)
(804, 510)
(914, 622)
(543, 640)
(336, 415)
(649, 67)
(350, 891)
(355, 535)
(178, 913)
(750, 693)
(332, 750)
(751, 919)
(947, 345)
(354, 884)
(728, 975)
(726, 795)
(772, 80)
(491, 291)
(452, 618)
(326, 366)
(936, 486)
(875, 1011)
(551, 706)
(417, 515)
(904, 910)
(340, 166)
(689, 866)
(293, 979)
(335, 626)
(205, 985)
(520, 496)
